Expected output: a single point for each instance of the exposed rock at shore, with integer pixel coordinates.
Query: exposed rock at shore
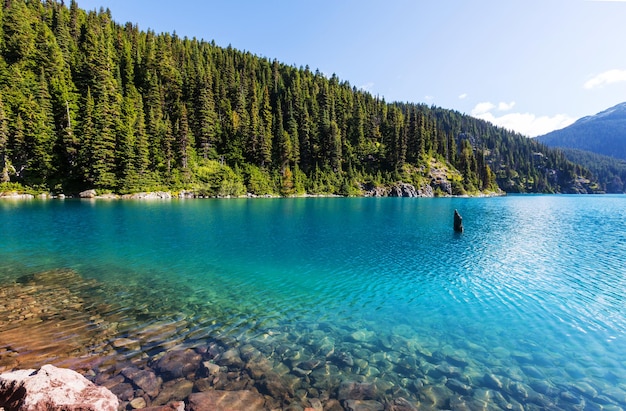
(87, 194)
(155, 195)
(52, 388)
(16, 195)
(398, 189)
(401, 189)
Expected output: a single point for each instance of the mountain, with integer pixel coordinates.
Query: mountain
(609, 172)
(603, 133)
(86, 103)
(598, 143)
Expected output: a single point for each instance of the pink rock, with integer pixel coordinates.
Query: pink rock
(53, 388)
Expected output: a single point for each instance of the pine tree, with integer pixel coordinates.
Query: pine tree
(4, 138)
(265, 149)
(86, 138)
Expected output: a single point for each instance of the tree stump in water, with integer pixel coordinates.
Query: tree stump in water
(458, 222)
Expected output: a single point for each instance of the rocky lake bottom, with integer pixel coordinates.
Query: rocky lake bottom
(150, 355)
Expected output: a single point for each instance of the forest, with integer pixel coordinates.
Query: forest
(88, 103)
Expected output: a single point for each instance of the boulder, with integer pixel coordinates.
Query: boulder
(53, 388)
(87, 194)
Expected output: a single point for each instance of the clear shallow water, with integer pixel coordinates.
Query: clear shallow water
(533, 292)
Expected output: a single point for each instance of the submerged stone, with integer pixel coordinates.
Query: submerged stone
(231, 359)
(217, 400)
(459, 387)
(175, 390)
(363, 405)
(493, 381)
(177, 364)
(401, 404)
(356, 391)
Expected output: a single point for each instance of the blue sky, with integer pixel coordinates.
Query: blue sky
(531, 66)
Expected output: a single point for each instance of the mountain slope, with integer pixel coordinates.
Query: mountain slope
(610, 172)
(86, 103)
(603, 133)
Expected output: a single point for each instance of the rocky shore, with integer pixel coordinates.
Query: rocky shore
(157, 358)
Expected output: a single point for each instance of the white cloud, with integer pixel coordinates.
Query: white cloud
(502, 106)
(482, 108)
(527, 124)
(603, 79)
(463, 96)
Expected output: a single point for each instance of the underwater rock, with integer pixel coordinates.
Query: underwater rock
(147, 381)
(492, 381)
(351, 390)
(543, 387)
(138, 403)
(401, 404)
(342, 358)
(362, 405)
(230, 358)
(585, 389)
(172, 406)
(177, 364)
(217, 400)
(273, 385)
(458, 386)
(126, 344)
(53, 388)
(124, 391)
(175, 390)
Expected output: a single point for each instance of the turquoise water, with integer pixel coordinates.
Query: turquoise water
(526, 308)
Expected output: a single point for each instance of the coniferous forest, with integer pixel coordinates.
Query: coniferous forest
(86, 102)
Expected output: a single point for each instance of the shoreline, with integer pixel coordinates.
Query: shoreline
(168, 195)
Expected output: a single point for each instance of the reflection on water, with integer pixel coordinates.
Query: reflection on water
(317, 298)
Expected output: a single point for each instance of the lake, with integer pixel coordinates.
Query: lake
(343, 299)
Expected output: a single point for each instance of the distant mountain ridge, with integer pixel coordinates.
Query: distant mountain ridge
(603, 133)
(597, 142)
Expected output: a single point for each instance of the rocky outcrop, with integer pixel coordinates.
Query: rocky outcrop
(398, 189)
(401, 189)
(52, 388)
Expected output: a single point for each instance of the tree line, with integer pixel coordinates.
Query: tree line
(86, 102)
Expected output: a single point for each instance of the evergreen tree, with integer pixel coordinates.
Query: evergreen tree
(4, 138)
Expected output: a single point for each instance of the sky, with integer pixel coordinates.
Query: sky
(531, 66)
